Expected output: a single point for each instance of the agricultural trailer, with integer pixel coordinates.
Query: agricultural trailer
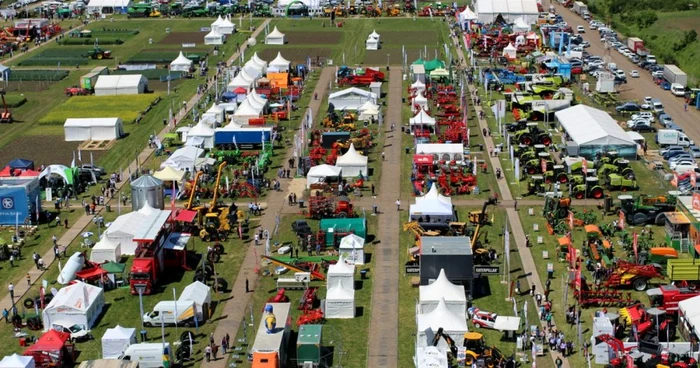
(336, 228)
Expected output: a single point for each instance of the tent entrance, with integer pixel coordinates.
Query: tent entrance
(296, 9)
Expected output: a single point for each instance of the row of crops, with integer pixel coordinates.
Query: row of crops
(128, 109)
(37, 75)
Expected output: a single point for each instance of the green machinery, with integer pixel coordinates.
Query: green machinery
(556, 174)
(194, 11)
(532, 135)
(534, 165)
(142, 10)
(535, 185)
(644, 210)
(619, 182)
(590, 188)
(556, 212)
(98, 54)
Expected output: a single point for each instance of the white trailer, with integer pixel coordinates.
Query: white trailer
(270, 348)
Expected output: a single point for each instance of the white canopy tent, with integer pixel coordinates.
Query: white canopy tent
(242, 80)
(418, 85)
(351, 98)
(488, 10)
(97, 129)
(245, 112)
(106, 250)
(434, 209)
(215, 112)
(17, 361)
(340, 302)
(184, 158)
(369, 114)
(259, 63)
(275, 37)
(256, 100)
(123, 84)
(214, 38)
(441, 317)
(467, 14)
(374, 34)
(226, 27)
(507, 323)
(421, 118)
(116, 340)
(420, 102)
(442, 151)
(319, 173)
(143, 225)
(510, 52)
(433, 194)
(372, 44)
(688, 313)
(200, 136)
(520, 25)
(181, 64)
(352, 163)
(200, 294)
(108, 6)
(280, 63)
(593, 131)
(453, 295)
(75, 304)
(352, 249)
(341, 272)
(215, 25)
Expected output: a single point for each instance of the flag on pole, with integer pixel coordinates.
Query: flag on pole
(515, 307)
(622, 220)
(80, 155)
(635, 245)
(37, 206)
(571, 220)
(72, 163)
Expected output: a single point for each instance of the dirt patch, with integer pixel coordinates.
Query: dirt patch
(158, 86)
(379, 57)
(313, 38)
(410, 37)
(61, 152)
(297, 55)
(176, 38)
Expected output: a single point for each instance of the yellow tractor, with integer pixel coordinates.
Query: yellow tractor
(393, 10)
(477, 349)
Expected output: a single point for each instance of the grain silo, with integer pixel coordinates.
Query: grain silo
(147, 189)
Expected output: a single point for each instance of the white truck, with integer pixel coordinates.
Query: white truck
(674, 74)
(299, 281)
(170, 313)
(670, 137)
(270, 349)
(580, 8)
(148, 355)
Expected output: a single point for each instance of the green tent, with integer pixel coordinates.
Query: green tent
(419, 62)
(433, 64)
(113, 267)
(439, 73)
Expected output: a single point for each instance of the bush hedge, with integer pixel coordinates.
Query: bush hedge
(91, 41)
(38, 75)
(128, 108)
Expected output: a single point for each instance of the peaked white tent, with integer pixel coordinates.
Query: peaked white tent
(431, 357)
(214, 38)
(241, 80)
(245, 112)
(420, 102)
(421, 118)
(144, 225)
(467, 14)
(441, 317)
(275, 37)
(106, 250)
(374, 34)
(260, 63)
(200, 294)
(433, 194)
(280, 63)
(116, 340)
(340, 302)
(352, 163)
(351, 98)
(76, 304)
(181, 64)
(226, 27)
(184, 158)
(453, 295)
(97, 129)
(418, 85)
(520, 25)
(510, 52)
(438, 211)
(200, 136)
(17, 361)
(215, 112)
(341, 272)
(372, 43)
(320, 172)
(352, 248)
(215, 25)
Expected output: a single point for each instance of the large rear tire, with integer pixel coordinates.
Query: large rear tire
(640, 284)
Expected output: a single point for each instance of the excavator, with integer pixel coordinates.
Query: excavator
(481, 218)
(216, 219)
(418, 232)
(476, 349)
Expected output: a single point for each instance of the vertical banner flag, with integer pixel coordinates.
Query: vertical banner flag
(517, 170)
(622, 220)
(635, 245)
(584, 166)
(571, 220)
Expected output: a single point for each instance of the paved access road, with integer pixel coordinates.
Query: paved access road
(637, 88)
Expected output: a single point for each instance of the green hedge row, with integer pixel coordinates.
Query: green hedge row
(38, 75)
(91, 41)
(69, 62)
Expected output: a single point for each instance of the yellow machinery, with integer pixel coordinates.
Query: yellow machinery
(216, 223)
(418, 232)
(477, 348)
(394, 10)
(193, 190)
(481, 218)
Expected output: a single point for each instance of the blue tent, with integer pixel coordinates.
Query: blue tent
(22, 164)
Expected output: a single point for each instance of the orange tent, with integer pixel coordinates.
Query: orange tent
(280, 80)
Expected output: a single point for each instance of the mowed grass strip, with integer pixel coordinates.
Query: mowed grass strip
(128, 108)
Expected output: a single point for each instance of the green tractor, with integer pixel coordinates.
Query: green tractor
(535, 166)
(620, 182)
(262, 10)
(645, 209)
(556, 212)
(140, 10)
(556, 174)
(532, 135)
(98, 54)
(535, 185)
(591, 188)
(194, 12)
(606, 158)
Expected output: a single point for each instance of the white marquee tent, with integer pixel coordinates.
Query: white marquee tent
(200, 294)
(351, 98)
(242, 80)
(421, 118)
(340, 302)
(433, 194)
(97, 129)
(441, 317)
(420, 102)
(418, 85)
(214, 38)
(143, 224)
(444, 151)
(593, 131)
(275, 37)
(215, 25)
(116, 340)
(369, 113)
(183, 158)
(227, 27)
(510, 52)
(259, 63)
(352, 248)
(245, 112)
(319, 172)
(341, 272)
(124, 84)
(372, 43)
(17, 361)
(76, 304)
(488, 10)
(200, 136)
(106, 250)
(467, 15)
(216, 112)
(108, 6)
(280, 63)
(520, 25)
(454, 296)
(438, 211)
(374, 34)
(181, 64)
(352, 163)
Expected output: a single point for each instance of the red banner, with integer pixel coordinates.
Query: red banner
(634, 246)
(584, 166)
(571, 220)
(622, 220)
(572, 256)
(577, 280)
(674, 181)
(543, 165)
(696, 202)
(693, 180)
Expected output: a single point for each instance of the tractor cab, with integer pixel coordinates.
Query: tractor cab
(627, 204)
(606, 158)
(591, 189)
(557, 174)
(517, 126)
(535, 185)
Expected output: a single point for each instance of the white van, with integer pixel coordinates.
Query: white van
(651, 59)
(148, 355)
(677, 89)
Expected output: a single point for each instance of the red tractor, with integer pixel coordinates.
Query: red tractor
(321, 207)
(314, 316)
(77, 91)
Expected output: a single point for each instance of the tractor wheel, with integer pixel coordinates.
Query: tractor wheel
(639, 284)
(186, 337)
(28, 303)
(563, 212)
(580, 195)
(597, 193)
(213, 257)
(660, 219)
(198, 276)
(531, 170)
(526, 140)
(546, 140)
(219, 249)
(221, 285)
(639, 219)
(342, 215)
(563, 178)
(100, 56)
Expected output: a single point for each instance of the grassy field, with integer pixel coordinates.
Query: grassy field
(128, 109)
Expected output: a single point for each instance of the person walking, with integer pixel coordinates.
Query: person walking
(247, 288)
(58, 221)
(398, 205)
(11, 289)
(224, 345)
(383, 156)
(515, 205)
(29, 280)
(372, 189)
(532, 290)
(207, 353)
(214, 351)
(257, 238)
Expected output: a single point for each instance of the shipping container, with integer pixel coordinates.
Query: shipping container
(634, 43)
(674, 74)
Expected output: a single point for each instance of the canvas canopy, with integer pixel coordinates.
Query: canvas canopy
(418, 85)
(123, 84)
(17, 361)
(224, 26)
(488, 10)
(142, 225)
(433, 64)
(275, 37)
(200, 294)
(593, 131)
(60, 170)
(340, 302)
(184, 158)
(169, 174)
(437, 210)
(453, 295)
(116, 340)
(260, 63)
(689, 308)
(467, 14)
(245, 112)
(341, 272)
(433, 194)
(97, 129)
(280, 63)
(510, 52)
(442, 151)
(422, 118)
(520, 25)
(106, 250)
(320, 172)
(108, 6)
(241, 80)
(75, 304)
(21, 164)
(181, 64)
(441, 317)
(351, 98)
(420, 102)
(352, 163)
(352, 249)
(214, 38)
(200, 136)
(372, 43)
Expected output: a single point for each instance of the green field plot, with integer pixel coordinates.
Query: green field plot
(38, 75)
(128, 109)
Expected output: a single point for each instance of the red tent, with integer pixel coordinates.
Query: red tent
(30, 173)
(51, 350)
(240, 91)
(423, 159)
(5, 172)
(186, 216)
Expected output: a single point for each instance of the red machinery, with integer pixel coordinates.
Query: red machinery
(77, 91)
(650, 324)
(632, 274)
(307, 300)
(667, 297)
(310, 316)
(356, 80)
(280, 297)
(321, 207)
(376, 74)
(621, 358)
(152, 258)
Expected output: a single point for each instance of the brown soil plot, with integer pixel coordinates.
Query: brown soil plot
(58, 152)
(313, 38)
(297, 55)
